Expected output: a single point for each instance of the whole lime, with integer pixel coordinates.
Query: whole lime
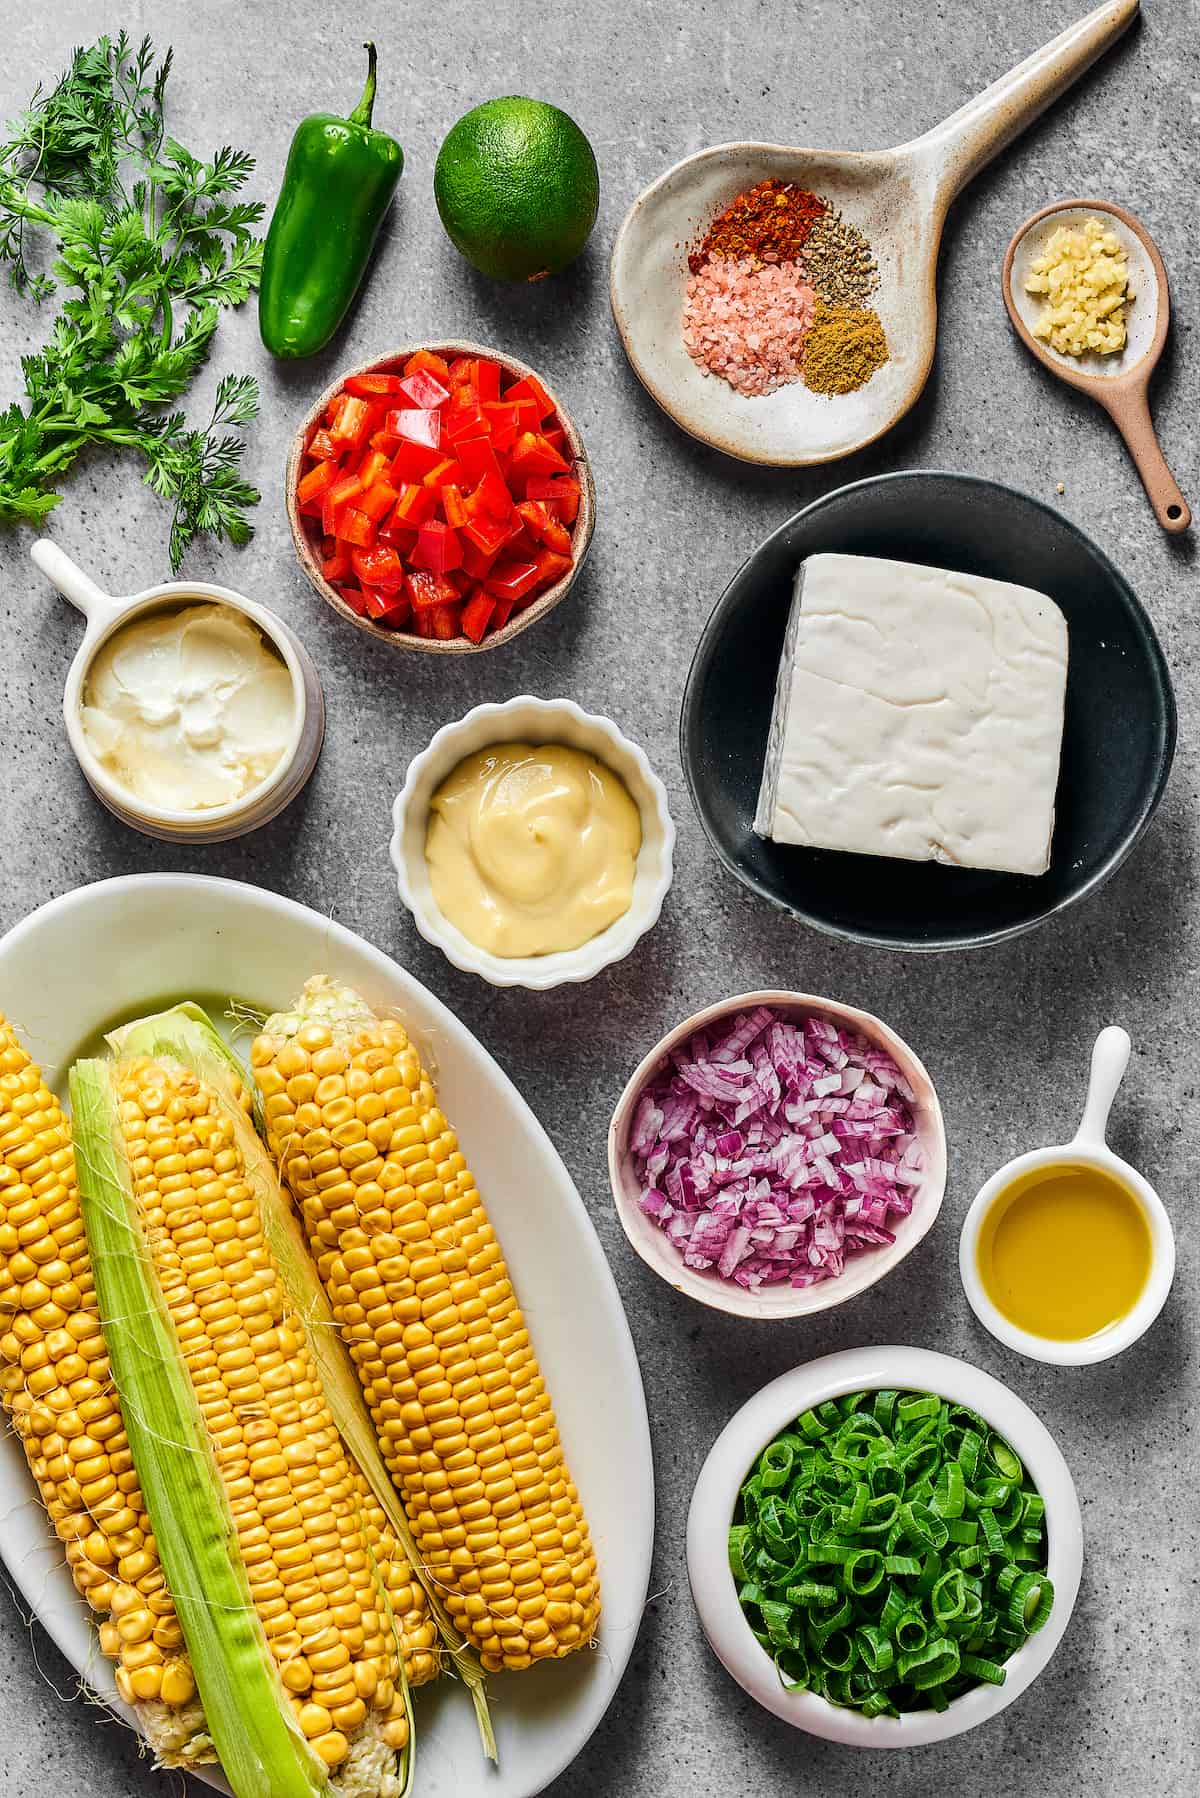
(517, 188)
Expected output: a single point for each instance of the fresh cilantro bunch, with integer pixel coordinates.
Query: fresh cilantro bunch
(149, 244)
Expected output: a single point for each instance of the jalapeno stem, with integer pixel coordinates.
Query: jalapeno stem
(362, 112)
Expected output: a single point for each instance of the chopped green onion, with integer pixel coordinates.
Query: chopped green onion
(890, 1552)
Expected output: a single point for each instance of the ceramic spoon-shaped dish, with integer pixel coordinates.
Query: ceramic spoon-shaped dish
(898, 197)
(1120, 382)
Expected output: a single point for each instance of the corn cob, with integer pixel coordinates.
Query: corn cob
(56, 1387)
(419, 1287)
(292, 1587)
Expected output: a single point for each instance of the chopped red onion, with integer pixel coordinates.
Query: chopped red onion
(776, 1149)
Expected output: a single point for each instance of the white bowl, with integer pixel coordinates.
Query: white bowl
(1110, 1058)
(714, 1588)
(106, 613)
(862, 1270)
(528, 720)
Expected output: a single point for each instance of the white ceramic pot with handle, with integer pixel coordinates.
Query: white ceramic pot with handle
(106, 613)
(1087, 1148)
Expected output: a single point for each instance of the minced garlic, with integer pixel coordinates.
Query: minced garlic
(1084, 275)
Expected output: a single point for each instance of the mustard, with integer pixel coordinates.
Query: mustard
(531, 851)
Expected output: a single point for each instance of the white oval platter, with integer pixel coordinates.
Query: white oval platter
(123, 947)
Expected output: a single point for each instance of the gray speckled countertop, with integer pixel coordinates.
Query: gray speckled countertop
(1005, 1033)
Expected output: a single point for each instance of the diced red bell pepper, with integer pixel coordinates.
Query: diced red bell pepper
(454, 506)
(337, 567)
(557, 537)
(477, 457)
(478, 562)
(503, 421)
(533, 455)
(520, 546)
(447, 472)
(422, 390)
(322, 448)
(563, 493)
(312, 485)
(428, 362)
(557, 440)
(336, 498)
(417, 424)
(551, 567)
(438, 548)
(378, 567)
(476, 614)
(426, 590)
(372, 466)
(372, 386)
(355, 528)
(462, 371)
(384, 440)
(535, 518)
(487, 533)
(502, 614)
(334, 410)
(399, 537)
(378, 500)
(398, 613)
(413, 461)
(487, 379)
(530, 388)
(344, 489)
(465, 421)
(491, 496)
(415, 505)
(356, 420)
(446, 622)
(528, 416)
(512, 580)
(355, 598)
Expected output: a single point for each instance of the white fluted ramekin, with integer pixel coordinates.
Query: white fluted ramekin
(528, 720)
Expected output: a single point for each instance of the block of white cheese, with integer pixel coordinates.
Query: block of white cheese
(918, 714)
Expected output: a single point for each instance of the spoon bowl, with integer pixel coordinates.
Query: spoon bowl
(898, 198)
(1118, 382)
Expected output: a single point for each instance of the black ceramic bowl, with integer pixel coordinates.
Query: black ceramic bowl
(1118, 739)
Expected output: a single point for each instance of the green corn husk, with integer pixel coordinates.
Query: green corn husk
(260, 1746)
(186, 1034)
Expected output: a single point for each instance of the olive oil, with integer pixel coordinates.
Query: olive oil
(1064, 1251)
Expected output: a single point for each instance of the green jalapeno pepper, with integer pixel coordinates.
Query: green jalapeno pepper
(337, 186)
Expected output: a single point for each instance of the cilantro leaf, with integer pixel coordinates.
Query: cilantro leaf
(144, 242)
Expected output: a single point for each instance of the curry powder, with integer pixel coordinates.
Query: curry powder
(844, 348)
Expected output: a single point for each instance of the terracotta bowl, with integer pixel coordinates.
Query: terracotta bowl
(861, 1270)
(402, 639)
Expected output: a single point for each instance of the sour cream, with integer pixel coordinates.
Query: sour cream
(532, 850)
(188, 710)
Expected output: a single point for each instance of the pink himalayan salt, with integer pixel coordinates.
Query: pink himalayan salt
(748, 324)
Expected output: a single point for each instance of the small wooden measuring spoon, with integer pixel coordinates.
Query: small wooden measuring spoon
(1119, 382)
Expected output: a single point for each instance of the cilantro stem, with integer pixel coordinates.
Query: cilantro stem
(147, 246)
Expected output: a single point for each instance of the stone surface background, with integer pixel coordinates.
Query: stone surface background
(1006, 1033)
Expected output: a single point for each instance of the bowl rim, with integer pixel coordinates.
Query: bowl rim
(781, 1303)
(980, 938)
(167, 596)
(581, 538)
(759, 1420)
(1084, 1351)
(567, 966)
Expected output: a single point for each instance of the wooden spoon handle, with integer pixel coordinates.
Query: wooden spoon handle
(955, 151)
(1130, 412)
